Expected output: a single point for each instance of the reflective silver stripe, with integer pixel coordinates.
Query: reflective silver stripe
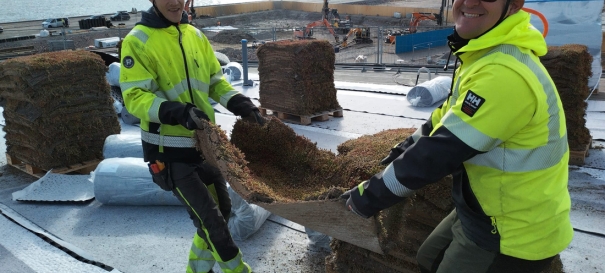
(216, 77)
(471, 136)
(227, 96)
(160, 94)
(148, 84)
(390, 180)
(141, 35)
(202, 254)
(522, 160)
(168, 141)
(200, 85)
(182, 87)
(154, 110)
(178, 89)
(456, 93)
(417, 134)
(539, 158)
(200, 266)
(232, 264)
(204, 260)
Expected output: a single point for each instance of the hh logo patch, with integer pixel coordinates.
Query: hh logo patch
(471, 103)
(128, 62)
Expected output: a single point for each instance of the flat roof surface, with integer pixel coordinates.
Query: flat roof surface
(92, 237)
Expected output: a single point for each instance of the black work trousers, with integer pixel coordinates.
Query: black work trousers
(448, 250)
(203, 191)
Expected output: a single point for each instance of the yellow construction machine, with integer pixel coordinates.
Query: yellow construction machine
(361, 35)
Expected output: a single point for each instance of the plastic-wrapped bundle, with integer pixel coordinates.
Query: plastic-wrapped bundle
(127, 181)
(430, 92)
(236, 70)
(113, 74)
(245, 218)
(123, 145)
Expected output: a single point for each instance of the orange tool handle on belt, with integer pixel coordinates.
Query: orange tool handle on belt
(160, 164)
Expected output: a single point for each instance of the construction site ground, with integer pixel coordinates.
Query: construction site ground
(255, 27)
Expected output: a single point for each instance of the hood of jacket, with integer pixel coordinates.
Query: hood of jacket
(153, 19)
(514, 30)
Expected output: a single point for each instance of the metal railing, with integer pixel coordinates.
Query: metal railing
(358, 50)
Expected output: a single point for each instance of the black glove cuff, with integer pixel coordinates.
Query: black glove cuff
(173, 113)
(241, 105)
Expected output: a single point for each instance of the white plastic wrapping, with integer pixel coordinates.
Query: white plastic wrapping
(123, 145)
(113, 74)
(117, 106)
(246, 218)
(127, 181)
(430, 92)
(236, 70)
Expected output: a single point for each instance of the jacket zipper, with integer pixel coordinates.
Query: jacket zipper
(495, 230)
(185, 61)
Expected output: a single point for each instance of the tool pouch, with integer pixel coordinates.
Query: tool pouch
(162, 178)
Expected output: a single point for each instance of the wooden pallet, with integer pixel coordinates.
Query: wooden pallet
(83, 168)
(302, 119)
(578, 157)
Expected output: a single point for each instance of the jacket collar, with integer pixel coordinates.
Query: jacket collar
(514, 30)
(153, 19)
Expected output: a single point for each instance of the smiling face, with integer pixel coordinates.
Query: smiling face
(171, 9)
(475, 17)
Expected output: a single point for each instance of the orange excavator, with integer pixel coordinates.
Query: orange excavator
(308, 31)
(421, 16)
(190, 10)
(417, 17)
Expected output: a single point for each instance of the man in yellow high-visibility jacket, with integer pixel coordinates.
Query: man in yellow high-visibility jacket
(169, 72)
(502, 135)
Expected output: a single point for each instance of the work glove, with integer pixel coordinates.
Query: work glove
(255, 117)
(177, 113)
(193, 117)
(352, 194)
(242, 106)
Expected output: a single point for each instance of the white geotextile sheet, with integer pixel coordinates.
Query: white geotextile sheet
(595, 122)
(384, 104)
(596, 106)
(17, 234)
(54, 187)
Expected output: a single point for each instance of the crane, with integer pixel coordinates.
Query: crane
(190, 10)
(308, 32)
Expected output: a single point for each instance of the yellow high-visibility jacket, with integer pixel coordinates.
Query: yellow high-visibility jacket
(165, 62)
(502, 134)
